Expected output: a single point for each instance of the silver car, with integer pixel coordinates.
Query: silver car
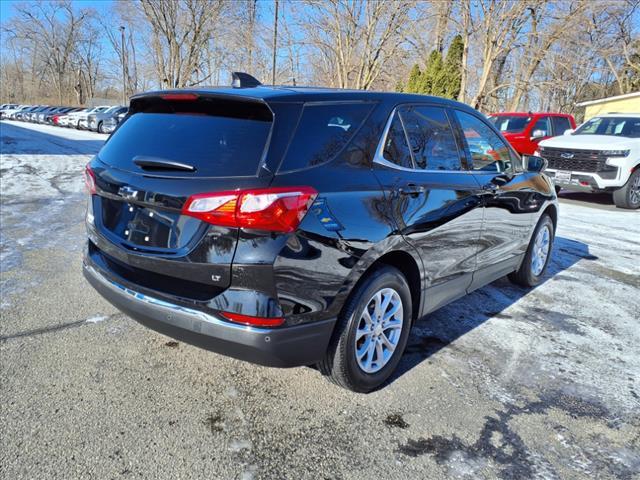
(97, 120)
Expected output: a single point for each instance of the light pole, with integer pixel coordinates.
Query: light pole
(124, 77)
(275, 45)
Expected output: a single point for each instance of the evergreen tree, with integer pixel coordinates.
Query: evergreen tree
(414, 79)
(431, 83)
(451, 78)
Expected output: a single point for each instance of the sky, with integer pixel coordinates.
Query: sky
(6, 6)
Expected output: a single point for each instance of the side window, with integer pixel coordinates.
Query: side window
(488, 151)
(431, 138)
(396, 149)
(323, 131)
(542, 124)
(560, 125)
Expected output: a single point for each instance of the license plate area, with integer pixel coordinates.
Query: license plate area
(563, 176)
(148, 227)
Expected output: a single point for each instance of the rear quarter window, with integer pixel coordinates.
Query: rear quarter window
(322, 132)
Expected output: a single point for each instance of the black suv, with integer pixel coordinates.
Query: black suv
(299, 226)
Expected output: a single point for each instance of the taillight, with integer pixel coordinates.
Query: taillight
(253, 321)
(89, 180)
(271, 209)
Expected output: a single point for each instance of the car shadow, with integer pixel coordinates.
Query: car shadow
(16, 139)
(439, 329)
(600, 198)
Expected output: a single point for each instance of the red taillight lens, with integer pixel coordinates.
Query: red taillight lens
(89, 180)
(253, 321)
(271, 209)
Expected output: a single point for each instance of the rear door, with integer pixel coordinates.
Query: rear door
(164, 152)
(432, 197)
(510, 198)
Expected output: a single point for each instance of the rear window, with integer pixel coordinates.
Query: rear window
(215, 145)
(322, 132)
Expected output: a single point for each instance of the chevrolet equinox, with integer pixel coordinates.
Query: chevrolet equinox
(307, 226)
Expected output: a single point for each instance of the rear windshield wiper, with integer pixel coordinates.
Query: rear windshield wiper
(156, 163)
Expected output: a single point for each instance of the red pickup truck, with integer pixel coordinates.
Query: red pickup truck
(524, 130)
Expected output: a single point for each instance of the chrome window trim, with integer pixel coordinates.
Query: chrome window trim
(379, 155)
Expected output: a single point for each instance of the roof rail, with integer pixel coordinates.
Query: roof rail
(244, 80)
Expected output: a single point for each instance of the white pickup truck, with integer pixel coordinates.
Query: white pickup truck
(602, 154)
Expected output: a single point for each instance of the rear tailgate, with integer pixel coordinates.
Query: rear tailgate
(166, 150)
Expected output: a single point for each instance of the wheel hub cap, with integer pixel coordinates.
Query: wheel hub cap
(379, 330)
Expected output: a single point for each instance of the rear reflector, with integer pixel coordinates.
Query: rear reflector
(89, 180)
(253, 321)
(181, 97)
(271, 209)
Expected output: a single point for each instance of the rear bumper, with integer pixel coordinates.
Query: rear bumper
(279, 347)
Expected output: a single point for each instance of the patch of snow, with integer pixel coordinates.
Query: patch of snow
(96, 319)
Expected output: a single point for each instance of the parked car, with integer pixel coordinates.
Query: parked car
(48, 118)
(525, 130)
(82, 119)
(10, 109)
(24, 113)
(7, 107)
(41, 116)
(602, 155)
(302, 226)
(96, 120)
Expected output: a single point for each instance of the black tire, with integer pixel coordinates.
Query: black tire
(629, 195)
(340, 363)
(558, 189)
(100, 128)
(525, 275)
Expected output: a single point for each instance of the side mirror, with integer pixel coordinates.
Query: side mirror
(535, 164)
(538, 134)
(569, 131)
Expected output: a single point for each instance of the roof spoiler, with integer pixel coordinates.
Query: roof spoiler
(244, 80)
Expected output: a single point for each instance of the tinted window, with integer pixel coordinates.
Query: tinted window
(543, 125)
(323, 131)
(431, 138)
(560, 124)
(215, 145)
(396, 149)
(488, 151)
(616, 126)
(510, 123)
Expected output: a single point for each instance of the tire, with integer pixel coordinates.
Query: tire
(78, 125)
(629, 195)
(529, 275)
(100, 128)
(558, 189)
(340, 363)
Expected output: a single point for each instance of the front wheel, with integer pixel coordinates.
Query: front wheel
(629, 195)
(100, 130)
(371, 333)
(538, 255)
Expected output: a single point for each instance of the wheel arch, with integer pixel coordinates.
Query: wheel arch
(407, 264)
(552, 211)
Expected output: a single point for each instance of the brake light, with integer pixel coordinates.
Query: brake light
(89, 180)
(271, 209)
(253, 321)
(181, 97)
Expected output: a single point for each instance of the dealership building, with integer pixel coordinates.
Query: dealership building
(629, 103)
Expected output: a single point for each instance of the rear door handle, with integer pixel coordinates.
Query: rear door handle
(411, 189)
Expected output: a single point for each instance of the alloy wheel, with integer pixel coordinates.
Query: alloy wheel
(540, 251)
(379, 330)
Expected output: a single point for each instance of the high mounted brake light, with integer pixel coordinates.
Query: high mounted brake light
(271, 209)
(181, 97)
